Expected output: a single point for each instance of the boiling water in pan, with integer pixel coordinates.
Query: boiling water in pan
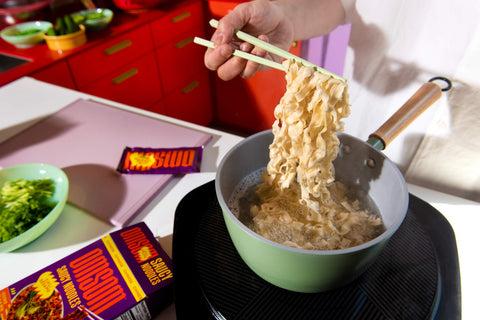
(244, 197)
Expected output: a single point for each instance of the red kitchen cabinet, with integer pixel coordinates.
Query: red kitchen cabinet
(180, 59)
(136, 83)
(177, 22)
(192, 101)
(184, 78)
(145, 59)
(154, 67)
(109, 56)
(58, 74)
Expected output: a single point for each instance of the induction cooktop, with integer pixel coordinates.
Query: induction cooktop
(415, 277)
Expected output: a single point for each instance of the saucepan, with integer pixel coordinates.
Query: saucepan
(359, 165)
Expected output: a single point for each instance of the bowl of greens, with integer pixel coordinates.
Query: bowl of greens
(27, 34)
(66, 34)
(94, 19)
(32, 197)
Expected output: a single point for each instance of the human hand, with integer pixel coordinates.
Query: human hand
(261, 18)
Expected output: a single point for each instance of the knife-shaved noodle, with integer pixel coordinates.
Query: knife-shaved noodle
(300, 203)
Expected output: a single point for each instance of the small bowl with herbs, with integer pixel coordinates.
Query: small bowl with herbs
(66, 34)
(27, 34)
(32, 197)
(94, 19)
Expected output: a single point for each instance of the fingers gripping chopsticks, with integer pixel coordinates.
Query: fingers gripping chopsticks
(267, 47)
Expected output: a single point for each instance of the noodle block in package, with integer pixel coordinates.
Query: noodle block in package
(160, 160)
(124, 275)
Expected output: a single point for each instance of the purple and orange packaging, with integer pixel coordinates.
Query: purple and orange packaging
(126, 274)
(160, 160)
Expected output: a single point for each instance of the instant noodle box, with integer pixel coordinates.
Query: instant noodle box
(124, 275)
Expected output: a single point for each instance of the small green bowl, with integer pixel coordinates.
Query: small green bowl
(26, 34)
(34, 171)
(93, 20)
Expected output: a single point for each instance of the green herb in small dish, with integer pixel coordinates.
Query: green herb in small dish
(94, 19)
(29, 31)
(24, 203)
(64, 25)
(95, 15)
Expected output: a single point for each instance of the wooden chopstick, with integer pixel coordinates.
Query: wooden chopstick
(244, 55)
(277, 51)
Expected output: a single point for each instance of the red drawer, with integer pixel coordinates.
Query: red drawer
(180, 59)
(136, 84)
(192, 102)
(105, 58)
(58, 74)
(177, 22)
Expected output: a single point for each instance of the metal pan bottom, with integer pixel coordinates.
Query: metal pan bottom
(416, 276)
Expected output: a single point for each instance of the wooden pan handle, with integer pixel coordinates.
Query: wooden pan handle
(422, 99)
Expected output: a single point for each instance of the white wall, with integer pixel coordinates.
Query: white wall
(394, 47)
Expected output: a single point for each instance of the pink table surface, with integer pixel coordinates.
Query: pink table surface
(86, 139)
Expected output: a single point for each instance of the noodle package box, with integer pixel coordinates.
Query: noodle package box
(124, 275)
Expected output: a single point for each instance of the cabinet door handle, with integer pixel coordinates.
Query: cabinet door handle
(183, 43)
(181, 17)
(117, 47)
(190, 87)
(124, 76)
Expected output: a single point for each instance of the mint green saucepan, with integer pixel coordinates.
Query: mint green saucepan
(359, 165)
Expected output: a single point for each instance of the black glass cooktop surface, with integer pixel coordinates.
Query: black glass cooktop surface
(415, 277)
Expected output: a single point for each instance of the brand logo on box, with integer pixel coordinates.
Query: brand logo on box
(139, 245)
(95, 278)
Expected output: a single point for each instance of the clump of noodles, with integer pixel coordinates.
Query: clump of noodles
(301, 204)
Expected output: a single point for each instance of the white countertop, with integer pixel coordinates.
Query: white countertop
(26, 101)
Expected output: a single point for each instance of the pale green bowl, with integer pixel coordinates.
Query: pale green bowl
(11, 34)
(34, 171)
(94, 19)
(308, 270)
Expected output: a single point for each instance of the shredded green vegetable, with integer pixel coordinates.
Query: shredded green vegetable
(29, 31)
(23, 203)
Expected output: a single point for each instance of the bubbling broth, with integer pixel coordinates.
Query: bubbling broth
(352, 219)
